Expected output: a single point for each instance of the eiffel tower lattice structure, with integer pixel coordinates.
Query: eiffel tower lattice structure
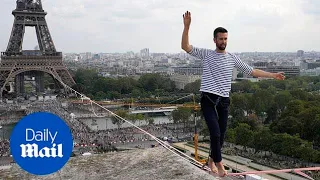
(16, 63)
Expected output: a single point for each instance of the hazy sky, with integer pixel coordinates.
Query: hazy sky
(130, 25)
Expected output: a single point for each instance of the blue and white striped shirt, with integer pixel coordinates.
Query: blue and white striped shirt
(217, 70)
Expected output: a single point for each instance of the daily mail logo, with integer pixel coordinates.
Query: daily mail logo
(32, 150)
(41, 143)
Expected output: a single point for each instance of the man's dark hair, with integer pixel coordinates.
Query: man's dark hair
(219, 30)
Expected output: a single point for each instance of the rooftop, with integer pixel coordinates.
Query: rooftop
(142, 164)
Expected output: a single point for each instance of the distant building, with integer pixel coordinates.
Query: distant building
(300, 53)
(96, 57)
(166, 61)
(88, 55)
(145, 52)
(310, 72)
(158, 54)
(263, 64)
(197, 70)
(188, 70)
(313, 65)
(303, 65)
(182, 80)
(288, 70)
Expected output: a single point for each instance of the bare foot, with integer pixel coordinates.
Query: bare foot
(212, 166)
(221, 171)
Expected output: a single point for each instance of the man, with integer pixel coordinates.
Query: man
(218, 65)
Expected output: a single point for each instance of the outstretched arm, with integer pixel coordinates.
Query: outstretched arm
(185, 35)
(260, 73)
(245, 68)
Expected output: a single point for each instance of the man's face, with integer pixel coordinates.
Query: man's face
(221, 41)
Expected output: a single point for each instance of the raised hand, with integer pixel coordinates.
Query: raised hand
(279, 76)
(187, 19)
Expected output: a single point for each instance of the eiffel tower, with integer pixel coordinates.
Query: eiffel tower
(17, 63)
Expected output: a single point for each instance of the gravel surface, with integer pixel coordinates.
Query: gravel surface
(143, 164)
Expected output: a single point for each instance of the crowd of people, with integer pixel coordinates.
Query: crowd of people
(4, 147)
(132, 134)
(79, 129)
(85, 137)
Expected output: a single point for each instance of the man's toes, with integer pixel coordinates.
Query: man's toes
(214, 169)
(223, 173)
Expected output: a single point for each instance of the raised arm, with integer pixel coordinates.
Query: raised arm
(260, 73)
(185, 35)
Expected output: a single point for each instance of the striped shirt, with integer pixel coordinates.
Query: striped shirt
(217, 70)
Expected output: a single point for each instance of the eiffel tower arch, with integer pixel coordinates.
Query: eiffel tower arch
(17, 63)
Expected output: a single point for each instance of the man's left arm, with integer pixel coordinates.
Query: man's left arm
(245, 68)
(261, 73)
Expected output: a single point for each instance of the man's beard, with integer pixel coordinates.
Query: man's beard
(222, 48)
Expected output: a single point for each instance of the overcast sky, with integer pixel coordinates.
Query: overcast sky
(130, 25)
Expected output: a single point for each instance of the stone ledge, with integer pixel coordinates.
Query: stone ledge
(147, 164)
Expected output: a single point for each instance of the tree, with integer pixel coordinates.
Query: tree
(272, 114)
(263, 140)
(290, 125)
(286, 144)
(281, 85)
(265, 84)
(247, 86)
(238, 105)
(240, 75)
(136, 93)
(114, 95)
(263, 100)
(127, 85)
(316, 125)
(299, 94)
(314, 86)
(252, 121)
(281, 100)
(272, 90)
(292, 85)
(118, 121)
(87, 78)
(150, 121)
(135, 117)
(317, 157)
(289, 122)
(293, 107)
(151, 82)
(193, 87)
(100, 84)
(242, 86)
(310, 123)
(100, 96)
(306, 153)
(244, 136)
(181, 115)
(231, 135)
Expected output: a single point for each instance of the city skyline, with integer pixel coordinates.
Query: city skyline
(121, 26)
